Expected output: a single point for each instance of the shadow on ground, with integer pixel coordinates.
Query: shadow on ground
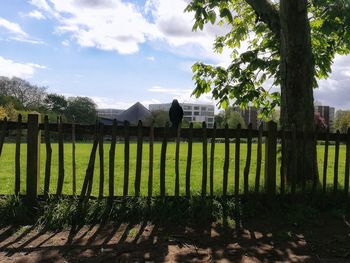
(258, 239)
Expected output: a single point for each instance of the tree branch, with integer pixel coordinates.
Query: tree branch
(267, 13)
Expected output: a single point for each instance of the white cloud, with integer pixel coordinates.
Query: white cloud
(36, 15)
(10, 68)
(116, 25)
(110, 25)
(17, 33)
(12, 28)
(335, 91)
(151, 58)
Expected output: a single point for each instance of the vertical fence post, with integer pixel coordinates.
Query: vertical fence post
(18, 155)
(33, 156)
(205, 159)
(270, 158)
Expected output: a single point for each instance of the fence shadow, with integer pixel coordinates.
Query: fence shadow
(259, 239)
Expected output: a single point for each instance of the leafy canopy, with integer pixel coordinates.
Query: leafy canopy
(245, 79)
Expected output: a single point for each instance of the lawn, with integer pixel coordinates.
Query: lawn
(82, 156)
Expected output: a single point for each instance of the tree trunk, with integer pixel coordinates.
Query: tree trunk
(297, 73)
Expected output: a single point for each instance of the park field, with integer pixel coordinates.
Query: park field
(7, 167)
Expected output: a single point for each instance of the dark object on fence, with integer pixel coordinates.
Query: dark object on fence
(176, 114)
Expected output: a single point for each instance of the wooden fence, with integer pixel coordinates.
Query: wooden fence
(271, 137)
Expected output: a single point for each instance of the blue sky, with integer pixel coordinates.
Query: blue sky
(119, 52)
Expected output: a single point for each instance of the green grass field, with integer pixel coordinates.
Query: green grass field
(82, 156)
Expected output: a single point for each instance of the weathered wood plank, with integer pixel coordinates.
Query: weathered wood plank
(204, 159)
(138, 159)
(325, 163)
(112, 160)
(18, 155)
(60, 159)
(336, 164)
(283, 168)
(126, 158)
(248, 160)
(74, 165)
(211, 169)
(33, 157)
(150, 165)
(163, 159)
(48, 157)
(258, 159)
(189, 162)
(226, 162)
(177, 158)
(102, 165)
(3, 134)
(270, 158)
(294, 158)
(347, 164)
(237, 158)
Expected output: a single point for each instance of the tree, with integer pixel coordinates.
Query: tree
(342, 121)
(231, 117)
(56, 103)
(82, 109)
(290, 42)
(159, 118)
(29, 96)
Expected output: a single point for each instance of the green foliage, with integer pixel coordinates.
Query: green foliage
(14, 211)
(56, 103)
(342, 121)
(82, 109)
(231, 117)
(245, 79)
(159, 118)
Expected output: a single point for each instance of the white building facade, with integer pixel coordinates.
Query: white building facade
(192, 112)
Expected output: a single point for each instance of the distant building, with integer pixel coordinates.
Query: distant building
(249, 115)
(327, 113)
(108, 113)
(192, 112)
(133, 114)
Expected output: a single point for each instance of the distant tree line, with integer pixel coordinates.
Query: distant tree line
(19, 96)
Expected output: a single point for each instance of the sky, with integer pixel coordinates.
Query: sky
(120, 52)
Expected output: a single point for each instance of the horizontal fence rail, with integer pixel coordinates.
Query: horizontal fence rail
(270, 157)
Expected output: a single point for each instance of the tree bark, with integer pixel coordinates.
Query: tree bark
(297, 73)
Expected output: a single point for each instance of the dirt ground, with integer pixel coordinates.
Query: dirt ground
(256, 240)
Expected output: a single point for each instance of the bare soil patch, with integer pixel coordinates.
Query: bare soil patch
(259, 239)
